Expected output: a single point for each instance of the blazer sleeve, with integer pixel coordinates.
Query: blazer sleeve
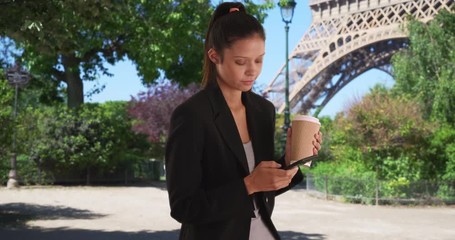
(298, 177)
(189, 201)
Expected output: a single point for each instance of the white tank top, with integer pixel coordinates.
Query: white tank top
(258, 229)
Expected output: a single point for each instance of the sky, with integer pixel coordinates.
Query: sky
(125, 83)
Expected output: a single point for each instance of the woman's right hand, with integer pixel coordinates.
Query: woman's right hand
(267, 176)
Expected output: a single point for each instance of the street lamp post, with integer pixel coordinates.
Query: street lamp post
(17, 77)
(287, 12)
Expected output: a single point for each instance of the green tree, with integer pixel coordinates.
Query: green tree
(6, 104)
(6, 123)
(442, 149)
(71, 41)
(426, 71)
(390, 133)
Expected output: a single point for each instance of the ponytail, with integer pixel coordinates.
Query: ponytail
(229, 23)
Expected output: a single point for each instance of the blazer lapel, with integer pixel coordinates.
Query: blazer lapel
(253, 115)
(225, 124)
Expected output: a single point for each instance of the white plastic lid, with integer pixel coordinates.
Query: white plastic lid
(306, 118)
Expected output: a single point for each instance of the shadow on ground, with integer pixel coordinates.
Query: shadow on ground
(14, 218)
(16, 215)
(78, 234)
(290, 235)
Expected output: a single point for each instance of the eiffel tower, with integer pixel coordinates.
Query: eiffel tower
(345, 39)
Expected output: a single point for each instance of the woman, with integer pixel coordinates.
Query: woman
(221, 177)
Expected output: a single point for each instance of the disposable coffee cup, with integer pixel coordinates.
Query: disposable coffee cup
(303, 129)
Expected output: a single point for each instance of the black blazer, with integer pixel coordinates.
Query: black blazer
(206, 164)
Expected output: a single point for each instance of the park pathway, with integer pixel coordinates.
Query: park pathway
(136, 213)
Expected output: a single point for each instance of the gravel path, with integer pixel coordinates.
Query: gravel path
(135, 213)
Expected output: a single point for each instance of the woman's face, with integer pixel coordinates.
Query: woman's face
(241, 64)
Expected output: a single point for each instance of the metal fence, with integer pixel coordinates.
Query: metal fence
(372, 191)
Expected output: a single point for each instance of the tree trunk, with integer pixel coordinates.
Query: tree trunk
(75, 87)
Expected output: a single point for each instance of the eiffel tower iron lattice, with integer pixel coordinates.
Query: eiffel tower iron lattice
(345, 39)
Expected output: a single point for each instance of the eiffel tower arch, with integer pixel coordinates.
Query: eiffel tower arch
(345, 39)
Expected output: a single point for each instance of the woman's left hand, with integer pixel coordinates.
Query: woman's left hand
(317, 142)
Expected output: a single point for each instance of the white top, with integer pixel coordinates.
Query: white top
(258, 229)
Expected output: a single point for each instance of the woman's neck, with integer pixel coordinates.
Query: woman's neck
(233, 100)
(233, 97)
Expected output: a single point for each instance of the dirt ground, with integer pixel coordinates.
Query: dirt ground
(136, 213)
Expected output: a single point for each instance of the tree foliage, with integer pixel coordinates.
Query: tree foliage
(385, 138)
(389, 132)
(6, 109)
(96, 142)
(71, 41)
(153, 109)
(426, 71)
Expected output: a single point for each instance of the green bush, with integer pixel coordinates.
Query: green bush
(4, 169)
(348, 179)
(92, 143)
(30, 173)
(396, 188)
(446, 191)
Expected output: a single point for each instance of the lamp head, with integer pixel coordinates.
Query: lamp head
(287, 10)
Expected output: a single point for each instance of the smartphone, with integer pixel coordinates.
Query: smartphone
(301, 161)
